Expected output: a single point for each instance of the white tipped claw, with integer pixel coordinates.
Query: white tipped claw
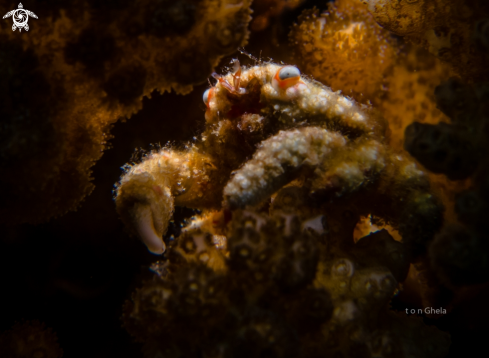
(146, 230)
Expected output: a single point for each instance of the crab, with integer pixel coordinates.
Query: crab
(269, 127)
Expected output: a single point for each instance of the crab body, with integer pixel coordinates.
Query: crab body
(268, 126)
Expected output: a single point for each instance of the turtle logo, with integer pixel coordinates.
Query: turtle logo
(20, 17)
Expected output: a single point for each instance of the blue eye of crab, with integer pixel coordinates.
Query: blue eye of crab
(289, 72)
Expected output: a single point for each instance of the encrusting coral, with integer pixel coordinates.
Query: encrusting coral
(29, 340)
(399, 80)
(455, 31)
(459, 252)
(283, 285)
(78, 72)
(454, 148)
(345, 49)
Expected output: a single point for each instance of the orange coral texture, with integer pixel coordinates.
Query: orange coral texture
(88, 72)
(398, 80)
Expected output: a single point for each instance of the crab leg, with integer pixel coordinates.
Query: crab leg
(148, 191)
(274, 164)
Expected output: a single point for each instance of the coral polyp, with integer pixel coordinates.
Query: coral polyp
(345, 49)
(282, 287)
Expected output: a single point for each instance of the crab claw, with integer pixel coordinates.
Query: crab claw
(145, 206)
(145, 228)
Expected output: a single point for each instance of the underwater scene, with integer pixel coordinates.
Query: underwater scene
(244, 179)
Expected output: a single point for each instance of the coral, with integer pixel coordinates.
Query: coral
(458, 101)
(455, 148)
(345, 49)
(264, 11)
(459, 255)
(398, 79)
(458, 150)
(78, 72)
(285, 289)
(271, 127)
(30, 340)
(456, 32)
(51, 135)
(442, 148)
(410, 96)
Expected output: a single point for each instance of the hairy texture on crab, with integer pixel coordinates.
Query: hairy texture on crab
(307, 101)
(267, 126)
(276, 159)
(196, 177)
(147, 193)
(67, 83)
(279, 158)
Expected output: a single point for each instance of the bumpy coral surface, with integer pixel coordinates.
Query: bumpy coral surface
(345, 49)
(271, 127)
(30, 340)
(458, 150)
(283, 286)
(440, 125)
(455, 31)
(77, 72)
